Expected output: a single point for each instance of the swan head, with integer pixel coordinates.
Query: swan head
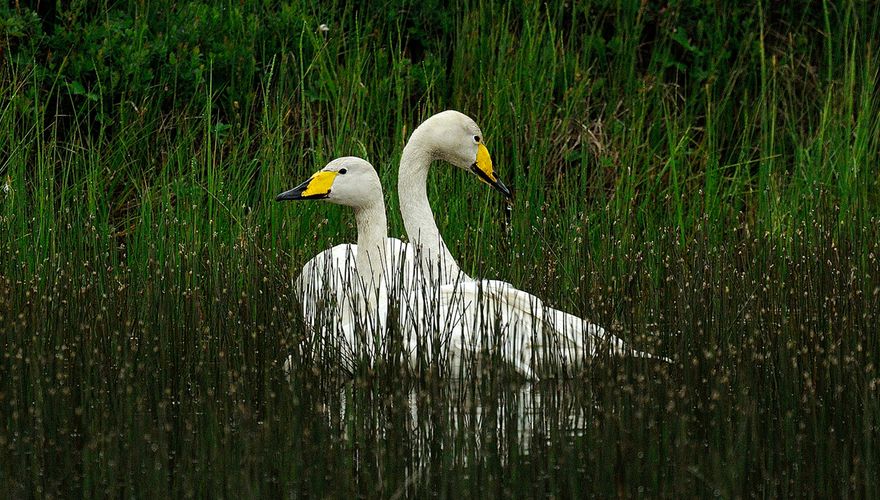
(456, 138)
(349, 181)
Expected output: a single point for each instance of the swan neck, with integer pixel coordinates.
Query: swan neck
(372, 229)
(435, 260)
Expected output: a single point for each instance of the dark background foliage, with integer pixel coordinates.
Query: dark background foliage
(127, 51)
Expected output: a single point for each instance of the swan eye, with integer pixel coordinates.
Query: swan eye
(476, 138)
(342, 170)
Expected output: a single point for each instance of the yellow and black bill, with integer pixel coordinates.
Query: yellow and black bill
(484, 170)
(316, 188)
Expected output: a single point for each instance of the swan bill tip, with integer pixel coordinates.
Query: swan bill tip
(297, 194)
(503, 189)
(492, 180)
(291, 194)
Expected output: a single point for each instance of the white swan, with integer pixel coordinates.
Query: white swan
(532, 331)
(357, 305)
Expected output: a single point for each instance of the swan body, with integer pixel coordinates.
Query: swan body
(452, 322)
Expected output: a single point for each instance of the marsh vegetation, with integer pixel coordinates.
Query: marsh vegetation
(700, 180)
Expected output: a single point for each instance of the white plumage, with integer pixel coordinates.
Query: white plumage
(453, 320)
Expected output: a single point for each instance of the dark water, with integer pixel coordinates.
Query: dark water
(496, 437)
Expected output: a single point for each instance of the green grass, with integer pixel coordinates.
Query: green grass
(703, 181)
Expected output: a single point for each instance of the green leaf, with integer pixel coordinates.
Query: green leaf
(76, 88)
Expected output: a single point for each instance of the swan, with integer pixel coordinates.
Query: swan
(455, 138)
(356, 306)
(360, 297)
(461, 319)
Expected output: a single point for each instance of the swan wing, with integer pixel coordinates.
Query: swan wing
(327, 289)
(531, 336)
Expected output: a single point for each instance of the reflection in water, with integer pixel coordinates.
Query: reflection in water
(464, 419)
(428, 434)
